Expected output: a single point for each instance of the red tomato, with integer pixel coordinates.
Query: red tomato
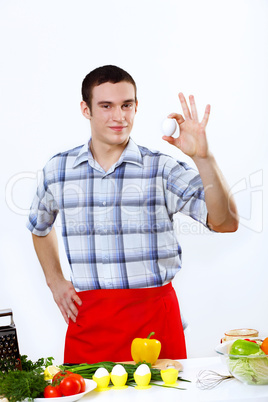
(81, 380)
(250, 340)
(70, 386)
(52, 392)
(60, 375)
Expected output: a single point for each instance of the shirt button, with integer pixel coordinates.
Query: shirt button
(104, 203)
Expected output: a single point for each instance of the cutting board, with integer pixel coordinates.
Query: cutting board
(163, 364)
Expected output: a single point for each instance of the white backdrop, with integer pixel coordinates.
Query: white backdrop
(216, 50)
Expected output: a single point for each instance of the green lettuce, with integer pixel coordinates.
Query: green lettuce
(250, 370)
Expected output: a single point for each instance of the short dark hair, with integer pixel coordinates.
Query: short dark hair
(101, 75)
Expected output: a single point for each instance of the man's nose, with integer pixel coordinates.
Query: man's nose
(118, 114)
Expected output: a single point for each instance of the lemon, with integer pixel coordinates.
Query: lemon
(50, 371)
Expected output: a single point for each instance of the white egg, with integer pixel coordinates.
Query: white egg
(101, 372)
(118, 369)
(169, 126)
(143, 369)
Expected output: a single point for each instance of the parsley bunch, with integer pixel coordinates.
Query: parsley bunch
(38, 366)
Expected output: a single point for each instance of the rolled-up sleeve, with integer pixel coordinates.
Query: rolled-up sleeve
(185, 193)
(44, 209)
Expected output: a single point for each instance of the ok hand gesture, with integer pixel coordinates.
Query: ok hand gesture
(192, 139)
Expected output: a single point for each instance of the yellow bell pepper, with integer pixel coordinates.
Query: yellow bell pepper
(145, 349)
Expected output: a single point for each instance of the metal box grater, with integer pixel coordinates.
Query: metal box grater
(9, 348)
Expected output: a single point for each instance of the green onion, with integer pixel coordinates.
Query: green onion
(88, 370)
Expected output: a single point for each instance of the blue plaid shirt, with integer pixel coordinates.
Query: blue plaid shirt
(117, 226)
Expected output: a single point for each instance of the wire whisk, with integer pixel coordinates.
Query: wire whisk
(208, 379)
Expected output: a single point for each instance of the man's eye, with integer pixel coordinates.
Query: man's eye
(127, 105)
(106, 106)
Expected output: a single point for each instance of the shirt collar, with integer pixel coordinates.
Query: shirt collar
(131, 154)
(82, 156)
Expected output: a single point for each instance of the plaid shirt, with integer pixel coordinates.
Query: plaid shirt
(117, 226)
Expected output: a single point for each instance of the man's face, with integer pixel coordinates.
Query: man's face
(112, 112)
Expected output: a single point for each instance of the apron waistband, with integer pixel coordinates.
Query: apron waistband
(139, 293)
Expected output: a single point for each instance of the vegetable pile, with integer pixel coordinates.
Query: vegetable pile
(36, 380)
(28, 383)
(248, 361)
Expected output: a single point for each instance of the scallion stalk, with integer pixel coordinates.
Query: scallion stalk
(88, 370)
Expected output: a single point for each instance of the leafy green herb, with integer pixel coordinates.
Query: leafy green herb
(28, 383)
(19, 385)
(38, 366)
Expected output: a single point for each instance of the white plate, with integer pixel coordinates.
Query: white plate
(90, 385)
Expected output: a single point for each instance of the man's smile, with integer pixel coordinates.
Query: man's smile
(117, 128)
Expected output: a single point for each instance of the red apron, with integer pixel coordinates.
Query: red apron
(109, 319)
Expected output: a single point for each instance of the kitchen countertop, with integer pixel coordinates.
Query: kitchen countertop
(230, 390)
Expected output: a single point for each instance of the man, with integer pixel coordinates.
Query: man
(117, 202)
